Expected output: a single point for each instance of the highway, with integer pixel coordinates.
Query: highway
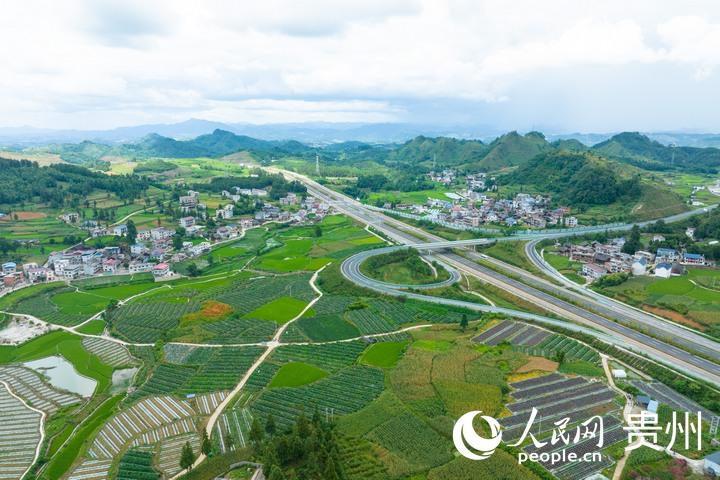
(623, 335)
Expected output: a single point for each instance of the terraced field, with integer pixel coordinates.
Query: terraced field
(149, 422)
(346, 392)
(536, 341)
(19, 435)
(110, 353)
(203, 370)
(29, 385)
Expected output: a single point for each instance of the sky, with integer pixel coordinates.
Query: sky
(558, 66)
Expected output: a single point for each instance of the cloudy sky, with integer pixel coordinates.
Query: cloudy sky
(559, 66)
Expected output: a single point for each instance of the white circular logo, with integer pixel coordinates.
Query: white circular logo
(464, 432)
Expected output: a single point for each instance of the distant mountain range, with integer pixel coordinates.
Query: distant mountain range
(312, 133)
(509, 150)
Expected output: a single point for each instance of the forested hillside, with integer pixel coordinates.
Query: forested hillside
(648, 154)
(60, 184)
(576, 178)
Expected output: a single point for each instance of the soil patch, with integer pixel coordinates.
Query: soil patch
(674, 316)
(23, 216)
(538, 363)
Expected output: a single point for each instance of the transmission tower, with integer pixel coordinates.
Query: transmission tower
(317, 165)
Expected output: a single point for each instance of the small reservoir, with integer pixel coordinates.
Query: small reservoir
(62, 375)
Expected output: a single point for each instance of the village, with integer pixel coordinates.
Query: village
(155, 250)
(601, 259)
(472, 208)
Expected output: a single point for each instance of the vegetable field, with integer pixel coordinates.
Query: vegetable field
(19, 435)
(346, 392)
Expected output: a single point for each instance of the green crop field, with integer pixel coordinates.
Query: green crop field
(297, 374)
(331, 357)
(326, 328)
(345, 392)
(94, 327)
(280, 310)
(74, 303)
(384, 354)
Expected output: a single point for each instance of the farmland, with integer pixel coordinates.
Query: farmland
(19, 435)
(203, 370)
(394, 397)
(692, 299)
(384, 354)
(297, 374)
(345, 392)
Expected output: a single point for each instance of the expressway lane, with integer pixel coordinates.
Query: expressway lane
(600, 327)
(607, 306)
(408, 235)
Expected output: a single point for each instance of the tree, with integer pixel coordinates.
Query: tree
(302, 426)
(318, 231)
(256, 432)
(187, 457)
(270, 425)
(464, 322)
(131, 232)
(177, 242)
(633, 243)
(276, 473)
(206, 446)
(111, 306)
(193, 270)
(330, 470)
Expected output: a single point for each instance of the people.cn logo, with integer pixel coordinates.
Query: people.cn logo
(464, 432)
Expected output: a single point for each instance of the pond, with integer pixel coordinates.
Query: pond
(122, 379)
(61, 374)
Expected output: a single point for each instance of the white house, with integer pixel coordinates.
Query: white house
(161, 233)
(143, 235)
(71, 271)
(693, 259)
(120, 230)
(40, 274)
(663, 270)
(571, 222)
(226, 212)
(9, 267)
(160, 270)
(593, 271)
(137, 249)
(110, 266)
(186, 222)
(667, 255)
(638, 266)
(712, 464)
(138, 267)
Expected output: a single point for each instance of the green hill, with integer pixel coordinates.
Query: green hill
(513, 149)
(587, 179)
(575, 178)
(639, 150)
(446, 151)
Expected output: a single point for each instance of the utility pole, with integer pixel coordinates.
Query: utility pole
(317, 165)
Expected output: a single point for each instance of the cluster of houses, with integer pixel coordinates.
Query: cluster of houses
(153, 250)
(601, 259)
(80, 261)
(474, 209)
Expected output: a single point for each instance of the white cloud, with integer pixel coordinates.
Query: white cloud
(104, 62)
